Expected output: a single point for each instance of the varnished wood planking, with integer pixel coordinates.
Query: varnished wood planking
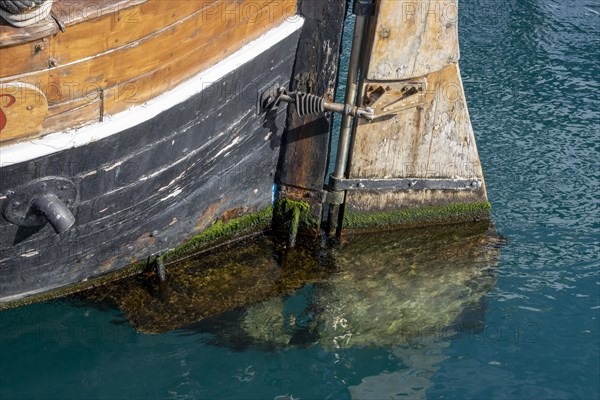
(82, 113)
(69, 12)
(413, 38)
(22, 109)
(178, 68)
(159, 61)
(107, 69)
(123, 25)
(12, 36)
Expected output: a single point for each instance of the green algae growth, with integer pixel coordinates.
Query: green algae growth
(418, 216)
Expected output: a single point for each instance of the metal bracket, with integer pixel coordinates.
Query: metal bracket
(41, 201)
(308, 104)
(332, 197)
(363, 8)
(389, 99)
(336, 184)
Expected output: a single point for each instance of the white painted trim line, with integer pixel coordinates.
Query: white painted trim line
(71, 138)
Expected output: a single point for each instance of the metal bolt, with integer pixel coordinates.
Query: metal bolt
(38, 48)
(29, 108)
(385, 33)
(53, 62)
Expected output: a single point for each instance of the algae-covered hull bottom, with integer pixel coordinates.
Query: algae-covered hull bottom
(146, 180)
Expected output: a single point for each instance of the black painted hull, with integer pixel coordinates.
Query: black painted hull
(149, 188)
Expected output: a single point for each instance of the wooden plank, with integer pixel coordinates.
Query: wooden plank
(184, 37)
(434, 140)
(22, 109)
(157, 63)
(431, 141)
(106, 31)
(416, 43)
(374, 202)
(70, 12)
(13, 36)
(82, 111)
(306, 142)
(411, 39)
(178, 68)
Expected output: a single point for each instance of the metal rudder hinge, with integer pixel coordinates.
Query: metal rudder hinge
(381, 100)
(401, 184)
(309, 104)
(394, 97)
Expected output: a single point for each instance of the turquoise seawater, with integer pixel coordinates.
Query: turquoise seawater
(454, 319)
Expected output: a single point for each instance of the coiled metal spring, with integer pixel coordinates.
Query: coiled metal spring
(309, 104)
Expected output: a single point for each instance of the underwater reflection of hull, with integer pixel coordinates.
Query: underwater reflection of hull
(375, 290)
(389, 290)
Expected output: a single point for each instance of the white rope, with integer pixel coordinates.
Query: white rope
(27, 16)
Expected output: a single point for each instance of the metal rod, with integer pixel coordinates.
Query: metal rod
(347, 109)
(351, 89)
(346, 127)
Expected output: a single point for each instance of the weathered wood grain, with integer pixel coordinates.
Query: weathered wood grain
(416, 42)
(413, 38)
(434, 140)
(306, 143)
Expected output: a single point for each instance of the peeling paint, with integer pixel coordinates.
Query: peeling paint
(176, 193)
(172, 182)
(115, 165)
(229, 146)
